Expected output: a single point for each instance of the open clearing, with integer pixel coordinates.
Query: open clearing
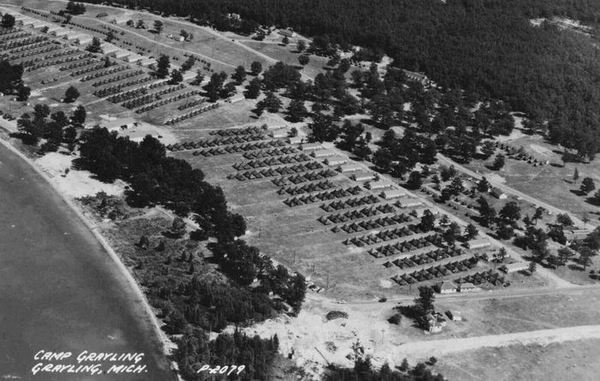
(569, 360)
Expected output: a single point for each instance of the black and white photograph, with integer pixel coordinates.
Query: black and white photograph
(299, 190)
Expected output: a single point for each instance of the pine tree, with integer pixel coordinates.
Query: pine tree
(94, 46)
(176, 77)
(162, 66)
(71, 94)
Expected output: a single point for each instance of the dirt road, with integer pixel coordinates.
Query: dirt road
(424, 349)
(509, 190)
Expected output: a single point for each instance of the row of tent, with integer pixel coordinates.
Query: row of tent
(350, 203)
(272, 161)
(435, 255)
(405, 246)
(356, 214)
(304, 177)
(207, 143)
(238, 131)
(284, 170)
(374, 223)
(234, 148)
(439, 271)
(322, 196)
(270, 152)
(307, 188)
(383, 236)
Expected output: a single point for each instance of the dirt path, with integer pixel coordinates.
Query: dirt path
(515, 192)
(424, 349)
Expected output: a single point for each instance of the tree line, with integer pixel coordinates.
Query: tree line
(486, 47)
(255, 289)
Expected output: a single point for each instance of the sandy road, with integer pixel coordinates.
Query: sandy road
(424, 349)
(513, 191)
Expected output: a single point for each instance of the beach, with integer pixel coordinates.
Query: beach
(60, 289)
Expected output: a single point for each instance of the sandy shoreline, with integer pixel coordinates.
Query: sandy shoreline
(141, 307)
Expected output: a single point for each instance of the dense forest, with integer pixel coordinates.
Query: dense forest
(487, 47)
(191, 302)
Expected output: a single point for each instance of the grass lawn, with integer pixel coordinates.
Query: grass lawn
(571, 360)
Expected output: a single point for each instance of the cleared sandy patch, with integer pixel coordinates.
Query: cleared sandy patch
(75, 183)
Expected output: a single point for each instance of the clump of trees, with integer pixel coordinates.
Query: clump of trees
(254, 353)
(94, 46)
(57, 129)
(8, 21)
(162, 66)
(71, 94)
(75, 8)
(11, 80)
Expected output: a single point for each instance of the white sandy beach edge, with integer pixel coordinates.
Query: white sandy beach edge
(166, 344)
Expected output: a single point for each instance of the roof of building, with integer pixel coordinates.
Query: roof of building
(350, 167)
(410, 202)
(478, 242)
(311, 146)
(516, 266)
(497, 191)
(363, 175)
(393, 193)
(336, 159)
(448, 285)
(379, 184)
(322, 153)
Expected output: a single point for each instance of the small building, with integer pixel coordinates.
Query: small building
(322, 153)
(295, 140)
(109, 49)
(121, 54)
(362, 176)
(280, 133)
(60, 32)
(335, 160)
(410, 203)
(398, 131)
(417, 77)
(350, 167)
(312, 146)
(71, 36)
(286, 33)
(392, 193)
(447, 287)
(428, 188)
(514, 267)
(468, 287)
(498, 193)
(134, 57)
(435, 323)
(468, 184)
(53, 29)
(84, 39)
(38, 25)
(576, 235)
(478, 244)
(374, 185)
(235, 98)
(146, 61)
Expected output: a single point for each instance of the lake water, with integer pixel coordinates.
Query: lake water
(59, 290)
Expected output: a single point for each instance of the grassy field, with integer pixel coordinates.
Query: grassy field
(550, 183)
(572, 360)
(289, 55)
